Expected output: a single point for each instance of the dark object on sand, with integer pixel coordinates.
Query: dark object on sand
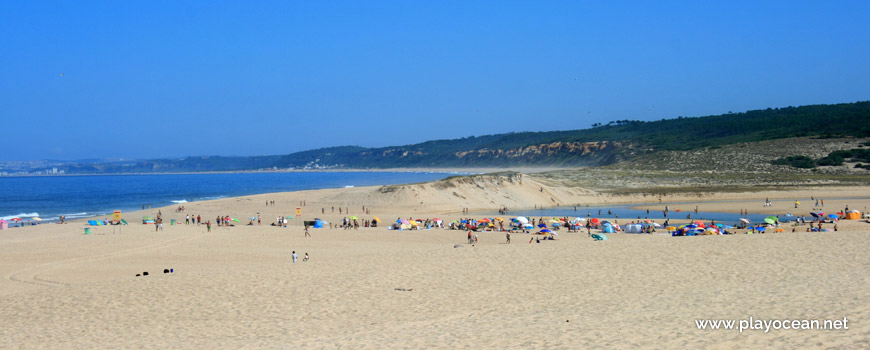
(145, 273)
(404, 289)
(137, 275)
(458, 246)
(165, 270)
(171, 270)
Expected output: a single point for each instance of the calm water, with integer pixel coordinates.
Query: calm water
(81, 196)
(626, 214)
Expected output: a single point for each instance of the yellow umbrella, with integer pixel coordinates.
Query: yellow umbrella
(37, 219)
(377, 219)
(499, 219)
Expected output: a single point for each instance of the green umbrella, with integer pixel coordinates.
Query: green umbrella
(771, 219)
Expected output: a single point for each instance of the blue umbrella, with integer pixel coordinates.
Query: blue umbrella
(834, 216)
(542, 225)
(546, 231)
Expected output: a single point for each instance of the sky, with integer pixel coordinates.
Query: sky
(156, 79)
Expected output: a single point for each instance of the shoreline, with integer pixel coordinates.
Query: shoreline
(721, 202)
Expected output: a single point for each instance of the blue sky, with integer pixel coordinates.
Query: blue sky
(168, 78)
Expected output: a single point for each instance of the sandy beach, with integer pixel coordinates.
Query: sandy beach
(372, 288)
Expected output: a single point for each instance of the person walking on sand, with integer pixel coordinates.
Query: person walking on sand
(306, 232)
(305, 258)
(294, 256)
(208, 226)
(508, 237)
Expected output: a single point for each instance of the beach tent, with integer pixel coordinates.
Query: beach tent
(4, 225)
(607, 229)
(853, 215)
(634, 228)
(318, 223)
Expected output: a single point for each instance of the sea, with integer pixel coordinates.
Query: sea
(49, 197)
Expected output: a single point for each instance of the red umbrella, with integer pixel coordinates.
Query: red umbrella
(14, 219)
(594, 220)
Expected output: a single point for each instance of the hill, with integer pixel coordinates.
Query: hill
(600, 145)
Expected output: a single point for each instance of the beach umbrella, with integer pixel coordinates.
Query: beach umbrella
(484, 220)
(594, 221)
(37, 219)
(771, 219)
(745, 221)
(14, 219)
(523, 220)
(436, 219)
(354, 218)
(761, 229)
(815, 215)
(377, 219)
(579, 219)
(404, 221)
(253, 218)
(236, 220)
(542, 225)
(545, 231)
(833, 217)
(499, 219)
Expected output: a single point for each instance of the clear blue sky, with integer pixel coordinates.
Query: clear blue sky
(146, 79)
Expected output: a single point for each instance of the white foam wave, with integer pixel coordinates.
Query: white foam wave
(77, 215)
(20, 216)
(348, 186)
(179, 201)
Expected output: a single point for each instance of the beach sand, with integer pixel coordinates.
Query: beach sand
(237, 287)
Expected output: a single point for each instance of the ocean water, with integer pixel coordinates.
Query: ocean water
(49, 197)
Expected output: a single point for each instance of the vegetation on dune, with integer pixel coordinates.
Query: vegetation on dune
(835, 158)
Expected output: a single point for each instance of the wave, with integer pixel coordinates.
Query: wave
(77, 215)
(20, 216)
(179, 201)
(348, 186)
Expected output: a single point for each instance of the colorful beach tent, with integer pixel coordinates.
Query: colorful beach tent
(853, 215)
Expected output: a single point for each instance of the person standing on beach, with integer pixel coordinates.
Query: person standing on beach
(294, 256)
(306, 257)
(208, 226)
(508, 236)
(306, 232)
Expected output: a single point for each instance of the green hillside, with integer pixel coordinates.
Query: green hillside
(599, 145)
